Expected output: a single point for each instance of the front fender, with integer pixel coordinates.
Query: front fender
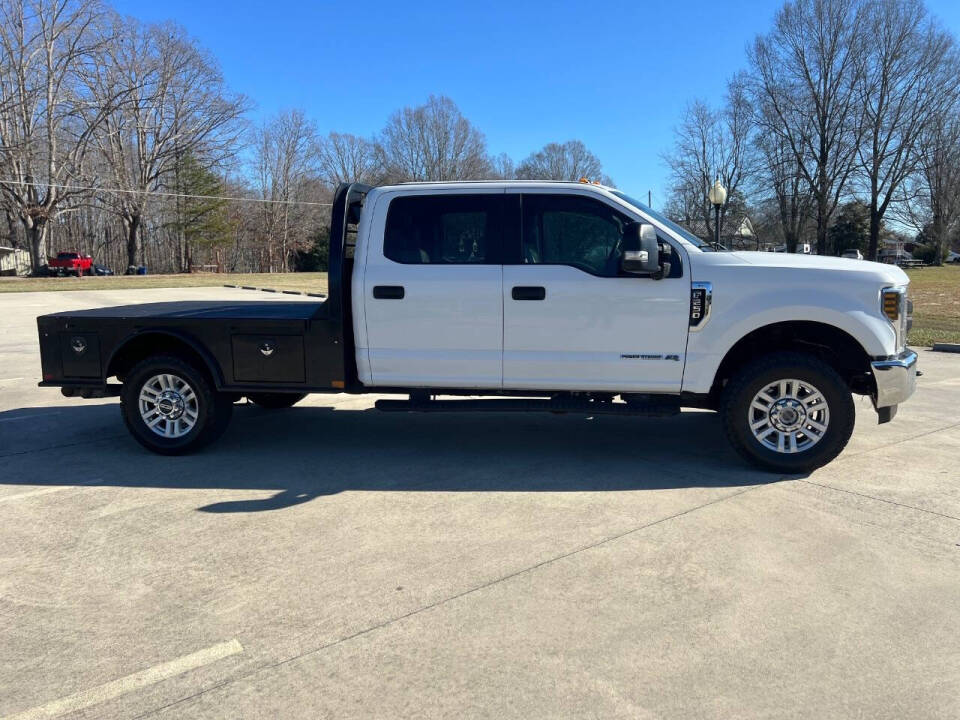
(734, 318)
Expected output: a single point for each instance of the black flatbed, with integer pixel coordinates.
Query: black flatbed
(196, 309)
(296, 346)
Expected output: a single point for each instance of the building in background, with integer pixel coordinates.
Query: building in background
(737, 234)
(14, 261)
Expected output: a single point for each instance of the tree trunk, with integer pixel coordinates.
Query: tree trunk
(36, 230)
(821, 227)
(132, 226)
(791, 240)
(939, 231)
(873, 247)
(12, 235)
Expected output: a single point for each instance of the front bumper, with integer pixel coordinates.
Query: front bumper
(896, 378)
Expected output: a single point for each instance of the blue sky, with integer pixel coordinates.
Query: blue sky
(615, 75)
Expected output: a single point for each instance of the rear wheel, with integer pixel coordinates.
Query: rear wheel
(788, 412)
(170, 407)
(276, 401)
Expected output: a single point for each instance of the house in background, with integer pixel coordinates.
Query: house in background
(737, 233)
(895, 250)
(14, 261)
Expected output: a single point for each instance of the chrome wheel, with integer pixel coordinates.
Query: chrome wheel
(168, 405)
(788, 416)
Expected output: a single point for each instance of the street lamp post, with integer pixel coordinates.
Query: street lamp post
(718, 196)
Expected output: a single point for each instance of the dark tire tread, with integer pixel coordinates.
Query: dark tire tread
(804, 367)
(216, 409)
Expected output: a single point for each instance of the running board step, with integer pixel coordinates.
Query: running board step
(658, 408)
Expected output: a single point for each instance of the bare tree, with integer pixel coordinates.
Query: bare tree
(176, 107)
(562, 161)
(711, 145)
(780, 177)
(433, 141)
(910, 76)
(930, 199)
(286, 168)
(807, 72)
(502, 167)
(48, 50)
(345, 158)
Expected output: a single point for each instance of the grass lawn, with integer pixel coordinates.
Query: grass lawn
(307, 282)
(936, 305)
(935, 292)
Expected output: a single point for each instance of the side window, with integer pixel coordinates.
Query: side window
(444, 229)
(572, 230)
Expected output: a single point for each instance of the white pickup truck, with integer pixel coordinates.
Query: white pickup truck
(569, 297)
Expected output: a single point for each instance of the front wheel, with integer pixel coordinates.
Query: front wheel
(170, 407)
(788, 412)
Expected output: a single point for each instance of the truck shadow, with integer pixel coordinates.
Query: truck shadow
(307, 452)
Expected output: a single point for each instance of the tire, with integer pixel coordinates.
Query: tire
(180, 403)
(276, 401)
(800, 425)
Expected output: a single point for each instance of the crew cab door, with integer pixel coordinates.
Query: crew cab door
(433, 291)
(572, 319)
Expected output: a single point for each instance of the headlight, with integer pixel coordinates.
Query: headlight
(894, 304)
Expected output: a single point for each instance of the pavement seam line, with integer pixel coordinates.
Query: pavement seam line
(65, 445)
(452, 598)
(897, 442)
(879, 499)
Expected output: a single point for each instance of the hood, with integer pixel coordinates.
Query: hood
(879, 272)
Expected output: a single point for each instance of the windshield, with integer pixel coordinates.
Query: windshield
(679, 230)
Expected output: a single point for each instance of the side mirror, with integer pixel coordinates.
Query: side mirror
(641, 250)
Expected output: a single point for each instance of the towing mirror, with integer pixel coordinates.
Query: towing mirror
(641, 250)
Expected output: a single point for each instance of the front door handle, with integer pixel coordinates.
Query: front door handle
(388, 292)
(524, 292)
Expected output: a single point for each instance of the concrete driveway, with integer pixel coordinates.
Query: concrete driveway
(332, 561)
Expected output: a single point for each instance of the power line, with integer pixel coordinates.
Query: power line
(162, 194)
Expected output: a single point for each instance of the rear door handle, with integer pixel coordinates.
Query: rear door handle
(388, 292)
(523, 292)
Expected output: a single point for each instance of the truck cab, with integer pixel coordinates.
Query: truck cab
(518, 287)
(522, 296)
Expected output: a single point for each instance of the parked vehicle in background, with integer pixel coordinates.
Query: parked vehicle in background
(70, 263)
(102, 270)
(548, 296)
(852, 254)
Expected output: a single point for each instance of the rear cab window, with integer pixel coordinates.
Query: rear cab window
(444, 229)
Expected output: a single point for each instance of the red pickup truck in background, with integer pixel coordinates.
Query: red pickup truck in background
(70, 263)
